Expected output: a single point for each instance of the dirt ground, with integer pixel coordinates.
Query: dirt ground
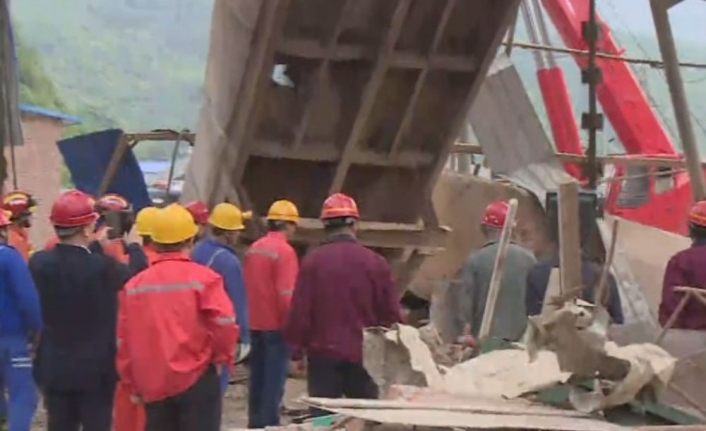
(235, 410)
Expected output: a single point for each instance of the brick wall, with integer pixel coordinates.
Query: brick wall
(38, 164)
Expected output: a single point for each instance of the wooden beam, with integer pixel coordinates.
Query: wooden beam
(115, 161)
(162, 135)
(421, 78)
(570, 239)
(370, 94)
(321, 74)
(312, 49)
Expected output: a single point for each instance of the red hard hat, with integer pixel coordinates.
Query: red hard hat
(5, 218)
(18, 203)
(73, 208)
(113, 202)
(199, 211)
(495, 214)
(339, 205)
(697, 214)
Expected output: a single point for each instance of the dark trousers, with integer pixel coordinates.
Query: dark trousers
(84, 410)
(197, 409)
(269, 365)
(328, 378)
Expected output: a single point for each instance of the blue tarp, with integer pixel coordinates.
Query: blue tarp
(88, 156)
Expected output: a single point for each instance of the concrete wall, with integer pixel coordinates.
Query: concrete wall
(38, 164)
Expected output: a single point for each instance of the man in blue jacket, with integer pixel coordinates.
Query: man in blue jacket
(20, 323)
(217, 251)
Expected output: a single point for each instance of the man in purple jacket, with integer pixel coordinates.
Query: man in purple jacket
(342, 288)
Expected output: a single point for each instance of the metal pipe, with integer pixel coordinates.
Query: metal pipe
(543, 31)
(668, 49)
(592, 76)
(532, 33)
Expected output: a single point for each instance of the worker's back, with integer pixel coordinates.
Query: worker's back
(472, 292)
(686, 268)
(342, 288)
(79, 295)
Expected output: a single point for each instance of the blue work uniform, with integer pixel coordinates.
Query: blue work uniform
(20, 316)
(223, 260)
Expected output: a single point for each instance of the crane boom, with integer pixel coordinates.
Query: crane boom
(624, 103)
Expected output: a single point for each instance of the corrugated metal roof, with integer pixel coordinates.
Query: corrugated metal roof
(48, 113)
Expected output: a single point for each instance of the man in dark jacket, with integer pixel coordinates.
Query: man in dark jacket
(342, 288)
(78, 288)
(538, 282)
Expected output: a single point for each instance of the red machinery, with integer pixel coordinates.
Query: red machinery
(644, 196)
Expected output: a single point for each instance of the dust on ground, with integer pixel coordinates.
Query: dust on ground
(235, 405)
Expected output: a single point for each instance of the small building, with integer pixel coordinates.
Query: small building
(39, 163)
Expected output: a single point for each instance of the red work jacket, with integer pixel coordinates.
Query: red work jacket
(19, 239)
(685, 268)
(270, 270)
(152, 255)
(175, 320)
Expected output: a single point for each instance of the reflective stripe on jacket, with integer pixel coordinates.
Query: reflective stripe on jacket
(175, 320)
(270, 269)
(222, 259)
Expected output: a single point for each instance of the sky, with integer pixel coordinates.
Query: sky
(687, 18)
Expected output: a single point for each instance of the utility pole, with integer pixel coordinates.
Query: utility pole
(592, 121)
(660, 15)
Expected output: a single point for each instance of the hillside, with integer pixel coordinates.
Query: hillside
(139, 63)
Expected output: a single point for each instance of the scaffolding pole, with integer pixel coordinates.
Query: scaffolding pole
(592, 121)
(660, 15)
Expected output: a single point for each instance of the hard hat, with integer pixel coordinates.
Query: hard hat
(495, 214)
(228, 217)
(145, 220)
(199, 211)
(697, 214)
(283, 210)
(172, 225)
(113, 202)
(5, 218)
(73, 208)
(18, 203)
(339, 205)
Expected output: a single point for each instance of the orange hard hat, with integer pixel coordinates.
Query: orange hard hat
(199, 211)
(73, 208)
(5, 218)
(496, 214)
(339, 205)
(18, 203)
(697, 214)
(113, 202)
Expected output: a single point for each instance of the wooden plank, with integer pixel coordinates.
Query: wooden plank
(321, 75)
(498, 270)
(421, 79)
(370, 94)
(115, 161)
(569, 239)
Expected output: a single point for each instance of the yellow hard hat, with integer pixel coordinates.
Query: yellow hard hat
(145, 221)
(172, 225)
(228, 217)
(283, 210)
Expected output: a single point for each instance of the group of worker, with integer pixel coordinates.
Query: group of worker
(183, 310)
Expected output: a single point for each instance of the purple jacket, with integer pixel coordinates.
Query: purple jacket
(686, 268)
(341, 289)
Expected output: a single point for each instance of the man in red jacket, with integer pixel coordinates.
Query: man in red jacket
(176, 331)
(342, 288)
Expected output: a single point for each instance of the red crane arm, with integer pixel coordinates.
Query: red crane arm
(624, 103)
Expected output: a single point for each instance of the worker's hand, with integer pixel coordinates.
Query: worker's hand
(242, 352)
(102, 237)
(137, 399)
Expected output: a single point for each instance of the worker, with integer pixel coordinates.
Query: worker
(143, 225)
(217, 251)
(21, 205)
(538, 283)
(199, 211)
(115, 221)
(342, 288)
(467, 297)
(686, 268)
(129, 416)
(78, 288)
(20, 316)
(271, 268)
(176, 332)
